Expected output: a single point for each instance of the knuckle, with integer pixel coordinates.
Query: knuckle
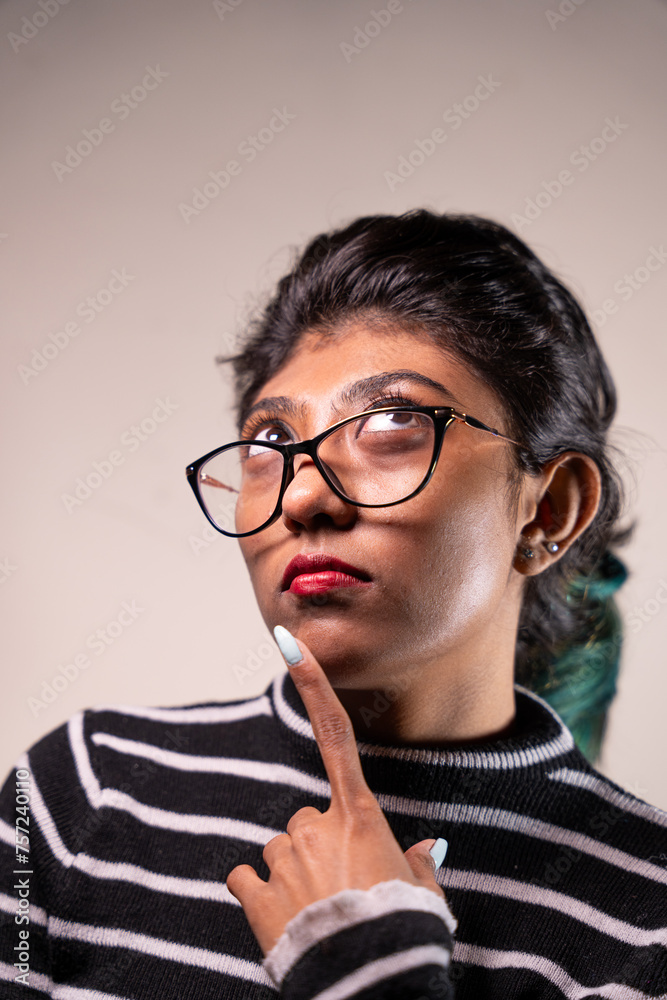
(308, 815)
(303, 813)
(235, 878)
(305, 835)
(336, 730)
(274, 846)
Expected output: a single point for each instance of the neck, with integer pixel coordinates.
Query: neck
(461, 695)
(537, 736)
(423, 695)
(428, 707)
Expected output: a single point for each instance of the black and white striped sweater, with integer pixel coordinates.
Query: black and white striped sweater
(555, 877)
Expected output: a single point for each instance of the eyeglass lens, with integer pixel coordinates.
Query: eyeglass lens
(378, 458)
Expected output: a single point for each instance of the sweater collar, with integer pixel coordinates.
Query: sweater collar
(539, 735)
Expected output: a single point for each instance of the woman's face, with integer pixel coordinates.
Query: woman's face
(439, 578)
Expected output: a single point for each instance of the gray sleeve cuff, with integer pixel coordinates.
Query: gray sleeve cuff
(346, 908)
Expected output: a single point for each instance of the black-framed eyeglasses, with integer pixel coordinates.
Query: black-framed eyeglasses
(378, 458)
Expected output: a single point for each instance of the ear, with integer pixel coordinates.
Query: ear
(562, 503)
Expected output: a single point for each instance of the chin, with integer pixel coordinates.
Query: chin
(348, 662)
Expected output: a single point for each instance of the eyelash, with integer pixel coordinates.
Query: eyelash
(262, 420)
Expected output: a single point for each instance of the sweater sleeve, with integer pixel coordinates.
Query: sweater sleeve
(390, 942)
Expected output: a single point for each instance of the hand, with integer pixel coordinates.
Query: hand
(350, 846)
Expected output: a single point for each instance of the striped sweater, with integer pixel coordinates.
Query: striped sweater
(555, 878)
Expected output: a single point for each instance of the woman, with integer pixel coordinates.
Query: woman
(424, 499)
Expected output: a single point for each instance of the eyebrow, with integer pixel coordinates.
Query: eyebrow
(358, 391)
(352, 394)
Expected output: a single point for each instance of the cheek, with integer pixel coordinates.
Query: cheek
(253, 550)
(454, 567)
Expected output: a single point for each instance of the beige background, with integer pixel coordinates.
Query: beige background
(139, 537)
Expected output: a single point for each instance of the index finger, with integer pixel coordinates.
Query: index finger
(331, 724)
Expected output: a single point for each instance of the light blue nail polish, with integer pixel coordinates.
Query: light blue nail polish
(438, 852)
(288, 646)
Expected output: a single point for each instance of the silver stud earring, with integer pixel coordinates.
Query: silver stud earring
(553, 546)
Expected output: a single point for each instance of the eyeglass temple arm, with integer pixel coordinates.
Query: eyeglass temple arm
(210, 481)
(473, 422)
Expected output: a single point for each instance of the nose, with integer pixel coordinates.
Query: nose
(310, 503)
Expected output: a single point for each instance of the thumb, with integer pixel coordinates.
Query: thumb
(425, 858)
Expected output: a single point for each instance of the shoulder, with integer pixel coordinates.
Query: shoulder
(162, 734)
(608, 805)
(601, 819)
(576, 772)
(98, 746)
(586, 799)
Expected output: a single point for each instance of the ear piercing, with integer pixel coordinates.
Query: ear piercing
(552, 547)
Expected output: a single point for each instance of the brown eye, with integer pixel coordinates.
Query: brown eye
(396, 421)
(273, 434)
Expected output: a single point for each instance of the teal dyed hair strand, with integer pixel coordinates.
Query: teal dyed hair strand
(580, 682)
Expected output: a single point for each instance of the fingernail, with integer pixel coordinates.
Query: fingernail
(438, 852)
(288, 645)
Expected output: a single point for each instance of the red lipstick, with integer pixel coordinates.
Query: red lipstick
(317, 572)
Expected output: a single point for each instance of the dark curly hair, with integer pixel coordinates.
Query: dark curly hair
(479, 292)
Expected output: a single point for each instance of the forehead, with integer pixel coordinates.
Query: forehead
(325, 366)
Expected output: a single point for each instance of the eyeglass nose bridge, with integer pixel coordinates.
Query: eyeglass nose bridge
(308, 448)
(300, 448)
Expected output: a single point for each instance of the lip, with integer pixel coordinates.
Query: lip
(316, 572)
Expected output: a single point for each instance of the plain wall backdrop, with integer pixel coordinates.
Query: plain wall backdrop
(121, 284)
